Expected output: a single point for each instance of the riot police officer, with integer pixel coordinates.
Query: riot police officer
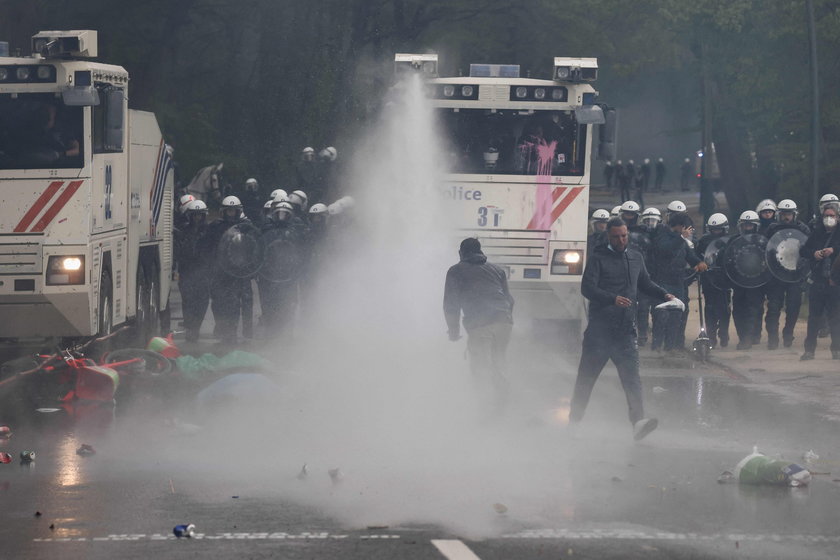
(821, 250)
(193, 281)
(639, 236)
(599, 220)
(279, 294)
(230, 297)
(660, 175)
(747, 302)
(783, 294)
(609, 174)
(718, 298)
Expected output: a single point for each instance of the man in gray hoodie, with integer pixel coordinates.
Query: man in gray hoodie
(480, 290)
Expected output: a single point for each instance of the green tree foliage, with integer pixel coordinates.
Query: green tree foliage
(251, 82)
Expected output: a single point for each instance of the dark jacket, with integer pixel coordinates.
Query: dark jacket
(608, 275)
(820, 238)
(188, 258)
(670, 254)
(480, 290)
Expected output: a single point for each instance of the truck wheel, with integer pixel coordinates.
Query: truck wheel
(141, 320)
(106, 305)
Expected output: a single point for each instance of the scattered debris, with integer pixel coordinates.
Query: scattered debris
(235, 497)
(501, 509)
(85, 450)
(52, 526)
(810, 457)
(171, 486)
(5, 432)
(47, 410)
(725, 476)
(304, 472)
(336, 475)
(617, 479)
(5, 458)
(186, 531)
(659, 390)
(38, 514)
(377, 527)
(757, 468)
(27, 456)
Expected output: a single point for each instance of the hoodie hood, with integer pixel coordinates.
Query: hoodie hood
(474, 258)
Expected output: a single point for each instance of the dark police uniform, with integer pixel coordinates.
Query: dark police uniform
(193, 279)
(717, 310)
(671, 253)
(611, 333)
(823, 297)
(747, 308)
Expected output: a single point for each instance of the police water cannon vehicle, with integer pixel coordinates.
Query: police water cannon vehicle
(87, 194)
(520, 153)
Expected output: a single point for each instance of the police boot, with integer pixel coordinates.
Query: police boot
(772, 342)
(787, 341)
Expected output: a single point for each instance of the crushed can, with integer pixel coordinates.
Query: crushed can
(85, 450)
(185, 531)
(5, 432)
(757, 468)
(5, 458)
(27, 456)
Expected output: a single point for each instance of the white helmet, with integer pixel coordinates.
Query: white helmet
(250, 182)
(717, 220)
(231, 202)
(631, 206)
(647, 160)
(618, 162)
(318, 208)
(309, 150)
(298, 198)
(600, 215)
(748, 217)
(766, 204)
(184, 201)
(676, 206)
(631, 162)
(281, 197)
(661, 160)
(269, 204)
(615, 212)
(334, 209)
(828, 199)
(329, 153)
(284, 208)
(687, 160)
(277, 192)
(197, 206)
(787, 205)
(651, 216)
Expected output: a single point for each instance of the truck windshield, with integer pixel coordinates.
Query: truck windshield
(512, 142)
(37, 131)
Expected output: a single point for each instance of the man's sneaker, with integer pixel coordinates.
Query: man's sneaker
(724, 342)
(806, 356)
(643, 427)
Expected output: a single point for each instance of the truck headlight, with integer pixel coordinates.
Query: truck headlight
(567, 261)
(449, 90)
(65, 270)
(22, 73)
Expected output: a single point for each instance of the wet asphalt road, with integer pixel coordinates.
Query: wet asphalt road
(594, 495)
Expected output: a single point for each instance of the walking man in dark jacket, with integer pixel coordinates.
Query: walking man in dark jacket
(480, 290)
(610, 281)
(821, 250)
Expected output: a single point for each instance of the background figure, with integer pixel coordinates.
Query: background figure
(480, 290)
(193, 268)
(660, 175)
(746, 302)
(821, 250)
(717, 299)
(685, 175)
(609, 173)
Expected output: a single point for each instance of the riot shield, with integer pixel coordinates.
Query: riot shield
(713, 257)
(240, 253)
(282, 257)
(744, 261)
(783, 257)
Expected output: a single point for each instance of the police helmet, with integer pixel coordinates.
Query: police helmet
(319, 208)
(309, 150)
(269, 204)
(600, 215)
(298, 198)
(615, 212)
(828, 199)
(251, 182)
(334, 209)
(717, 221)
(787, 205)
(197, 207)
(184, 201)
(647, 161)
(748, 217)
(329, 153)
(631, 207)
(231, 202)
(766, 204)
(676, 206)
(276, 192)
(283, 208)
(651, 216)
(281, 197)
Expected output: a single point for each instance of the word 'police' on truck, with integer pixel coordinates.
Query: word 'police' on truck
(85, 195)
(519, 160)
